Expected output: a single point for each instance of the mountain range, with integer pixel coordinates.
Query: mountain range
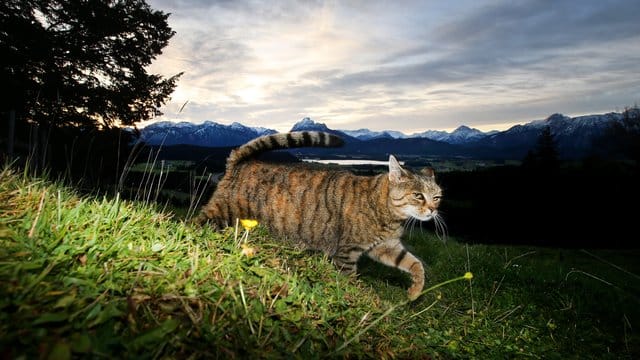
(207, 134)
(460, 135)
(573, 136)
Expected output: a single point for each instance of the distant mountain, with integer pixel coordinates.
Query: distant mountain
(366, 134)
(574, 138)
(463, 134)
(307, 124)
(209, 134)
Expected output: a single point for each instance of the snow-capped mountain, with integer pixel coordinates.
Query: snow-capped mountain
(460, 135)
(307, 124)
(574, 137)
(437, 135)
(209, 133)
(366, 134)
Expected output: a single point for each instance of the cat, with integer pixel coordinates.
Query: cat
(337, 212)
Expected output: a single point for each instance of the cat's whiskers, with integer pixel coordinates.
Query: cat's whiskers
(441, 227)
(410, 224)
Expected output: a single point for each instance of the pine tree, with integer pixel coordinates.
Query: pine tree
(547, 149)
(545, 153)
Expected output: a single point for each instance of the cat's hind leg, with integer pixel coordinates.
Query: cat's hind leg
(215, 214)
(346, 258)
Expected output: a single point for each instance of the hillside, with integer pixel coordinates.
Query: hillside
(103, 277)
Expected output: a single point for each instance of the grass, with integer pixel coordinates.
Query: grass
(100, 277)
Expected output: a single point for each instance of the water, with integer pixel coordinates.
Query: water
(350, 162)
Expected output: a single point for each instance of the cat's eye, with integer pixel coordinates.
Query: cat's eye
(418, 196)
(437, 198)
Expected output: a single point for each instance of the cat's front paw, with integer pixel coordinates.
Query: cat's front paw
(417, 278)
(415, 290)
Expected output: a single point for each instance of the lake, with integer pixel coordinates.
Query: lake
(350, 162)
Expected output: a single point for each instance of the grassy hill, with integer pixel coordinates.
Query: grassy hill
(103, 277)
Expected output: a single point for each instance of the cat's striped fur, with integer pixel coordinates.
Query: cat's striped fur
(337, 212)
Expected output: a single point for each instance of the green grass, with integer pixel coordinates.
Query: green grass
(98, 277)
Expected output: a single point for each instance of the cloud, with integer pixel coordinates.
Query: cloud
(541, 25)
(401, 65)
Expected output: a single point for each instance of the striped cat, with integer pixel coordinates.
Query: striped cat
(337, 212)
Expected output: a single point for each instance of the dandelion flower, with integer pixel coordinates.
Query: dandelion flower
(248, 251)
(468, 275)
(248, 224)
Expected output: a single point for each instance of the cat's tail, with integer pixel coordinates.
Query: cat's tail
(283, 141)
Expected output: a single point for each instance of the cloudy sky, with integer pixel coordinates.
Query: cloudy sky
(399, 65)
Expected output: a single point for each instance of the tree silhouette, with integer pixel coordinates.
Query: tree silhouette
(82, 62)
(72, 72)
(622, 138)
(545, 153)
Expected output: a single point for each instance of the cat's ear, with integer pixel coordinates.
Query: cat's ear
(428, 172)
(395, 171)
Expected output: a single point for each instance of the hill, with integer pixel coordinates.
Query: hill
(103, 277)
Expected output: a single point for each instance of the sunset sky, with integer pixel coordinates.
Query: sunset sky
(399, 65)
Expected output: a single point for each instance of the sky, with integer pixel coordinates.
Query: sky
(399, 65)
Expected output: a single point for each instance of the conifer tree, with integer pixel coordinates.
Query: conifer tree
(545, 153)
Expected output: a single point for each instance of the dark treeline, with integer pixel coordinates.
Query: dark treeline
(589, 205)
(550, 202)
(87, 157)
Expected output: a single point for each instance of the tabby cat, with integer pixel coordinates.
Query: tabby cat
(337, 212)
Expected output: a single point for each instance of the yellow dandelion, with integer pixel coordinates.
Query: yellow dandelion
(248, 251)
(468, 275)
(248, 224)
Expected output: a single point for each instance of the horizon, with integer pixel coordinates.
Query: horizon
(487, 127)
(408, 67)
(449, 130)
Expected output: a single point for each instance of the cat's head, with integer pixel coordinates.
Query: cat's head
(413, 194)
